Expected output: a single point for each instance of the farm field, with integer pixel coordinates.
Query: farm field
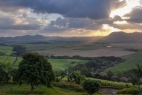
(7, 50)
(62, 64)
(7, 59)
(57, 64)
(130, 63)
(71, 49)
(87, 53)
(89, 49)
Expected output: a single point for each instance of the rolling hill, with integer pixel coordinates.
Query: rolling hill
(123, 37)
(113, 37)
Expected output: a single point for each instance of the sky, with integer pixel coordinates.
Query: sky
(69, 17)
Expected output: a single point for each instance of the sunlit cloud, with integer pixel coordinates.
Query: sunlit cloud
(122, 11)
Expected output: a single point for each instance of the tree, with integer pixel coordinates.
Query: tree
(109, 74)
(136, 75)
(35, 69)
(91, 86)
(19, 50)
(78, 77)
(5, 69)
(69, 74)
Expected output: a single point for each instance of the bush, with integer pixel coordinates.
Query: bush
(132, 91)
(91, 86)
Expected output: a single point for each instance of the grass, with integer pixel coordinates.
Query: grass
(130, 63)
(6, 49)
(58, 89)
(35, 47)
(15, 89)
(112, 84)
(9, 59)
(57, 64)
(62, 64)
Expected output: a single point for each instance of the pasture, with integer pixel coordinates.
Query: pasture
(6, 59)
(62, 64)
(129, 63)
(82, 49)
(7, 50)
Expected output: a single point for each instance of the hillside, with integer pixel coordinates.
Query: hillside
(47, 38)
(123, 37)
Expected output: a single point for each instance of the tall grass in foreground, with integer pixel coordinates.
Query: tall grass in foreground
(58, 88)
(112, 84)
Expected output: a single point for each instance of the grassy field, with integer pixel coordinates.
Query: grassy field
(62, 64)
(7, 59)
(57, 64)
(130, 63)
(6, 49)
(16, 89)
(85, 48)
(58, 88)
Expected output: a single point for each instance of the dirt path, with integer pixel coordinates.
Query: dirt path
(5, 59)
(14, 62)
(108, 91)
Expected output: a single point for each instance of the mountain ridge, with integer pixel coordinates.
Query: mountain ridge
(113, 37)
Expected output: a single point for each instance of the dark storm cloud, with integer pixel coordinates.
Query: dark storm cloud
(94, 9)
(127, 26)
(64, 24)
(108, 21)
(19, 27)
(135, 16)
(117, 18)
(9, 23)
(54, 29)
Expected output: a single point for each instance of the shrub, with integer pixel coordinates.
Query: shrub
(91, 86)
(132, 91)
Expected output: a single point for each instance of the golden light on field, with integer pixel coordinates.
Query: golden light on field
(122, 11)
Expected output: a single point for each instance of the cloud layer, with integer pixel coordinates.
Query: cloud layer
(77, 17)
(94, 9)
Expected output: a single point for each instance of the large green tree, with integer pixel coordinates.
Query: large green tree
(35, 69)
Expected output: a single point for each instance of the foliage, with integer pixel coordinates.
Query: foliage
(132, 91)
(35, 69)
(91, 86)
(13, 73)
(19, 50)
(78, 77)
(110, 74)
(5, 72)
(136, 75)
(69, 74)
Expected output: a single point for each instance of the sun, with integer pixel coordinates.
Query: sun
(122, 11)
